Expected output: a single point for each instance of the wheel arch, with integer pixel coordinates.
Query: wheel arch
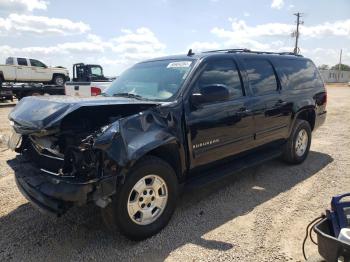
(57, 74)
(169, 150)
(170, 153)
(308, 114)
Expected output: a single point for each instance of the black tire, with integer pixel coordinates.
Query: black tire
(58, 80)
(289, 152)
(116, 214)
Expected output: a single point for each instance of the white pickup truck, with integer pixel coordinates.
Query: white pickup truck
(25, 70)
(88, 80)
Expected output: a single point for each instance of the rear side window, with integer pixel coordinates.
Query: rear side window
(298, 74)
(22, 61)
(222, 72)
(9, 61)
(262, 79)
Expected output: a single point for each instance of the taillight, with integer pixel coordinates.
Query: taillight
(95, 91)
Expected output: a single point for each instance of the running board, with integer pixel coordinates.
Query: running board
(219, 172)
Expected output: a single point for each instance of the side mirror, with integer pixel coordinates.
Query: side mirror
(210, 94)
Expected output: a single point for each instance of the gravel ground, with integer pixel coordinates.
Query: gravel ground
(256, 215)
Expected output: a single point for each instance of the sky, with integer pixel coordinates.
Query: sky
(117, 34)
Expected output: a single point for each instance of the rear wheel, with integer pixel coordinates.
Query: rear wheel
(298, 145)
(144, 204)
(58, 80)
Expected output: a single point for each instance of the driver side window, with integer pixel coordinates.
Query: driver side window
(36, 63)
(221, 72)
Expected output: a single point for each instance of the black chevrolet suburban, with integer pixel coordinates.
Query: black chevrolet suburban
(165, 123)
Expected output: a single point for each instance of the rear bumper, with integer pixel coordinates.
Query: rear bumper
(52, 194)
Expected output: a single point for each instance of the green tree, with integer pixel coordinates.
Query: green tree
(323, 67)
(343, 67)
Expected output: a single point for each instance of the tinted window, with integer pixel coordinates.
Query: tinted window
(261, 76)
(37, 63)
(222, 72)
(298, 74)
(22, 61)
(9, 61)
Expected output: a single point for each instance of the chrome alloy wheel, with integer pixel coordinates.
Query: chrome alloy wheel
(147, 199)
(301, 142)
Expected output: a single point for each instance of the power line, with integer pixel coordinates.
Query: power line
(296, 33)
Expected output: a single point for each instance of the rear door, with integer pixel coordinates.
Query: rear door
(219, 129)
(271, 112)
(23, 70)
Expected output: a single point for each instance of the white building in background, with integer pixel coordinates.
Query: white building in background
(335, 76)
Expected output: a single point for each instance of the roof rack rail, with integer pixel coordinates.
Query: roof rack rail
(245, 50)
(228, 50)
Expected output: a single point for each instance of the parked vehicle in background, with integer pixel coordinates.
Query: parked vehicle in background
(6, 94)
(88, 80)
(166, 122)
(24, 70)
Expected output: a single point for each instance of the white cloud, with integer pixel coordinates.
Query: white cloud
(277, 37)
(240, 30)
(138, 45)
(22, 5)
(203, 46)
(337, 28)
(328, 56)
(246, 14)
(277, 4)
(291, 6)
(114, 54)
(40, 25)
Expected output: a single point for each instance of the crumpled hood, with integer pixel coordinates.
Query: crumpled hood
(36, 113)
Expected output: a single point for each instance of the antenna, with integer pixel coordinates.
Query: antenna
(190, 53)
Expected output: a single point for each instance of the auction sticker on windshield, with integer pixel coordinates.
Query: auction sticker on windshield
(179, 64)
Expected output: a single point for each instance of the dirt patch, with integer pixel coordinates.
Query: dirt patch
(256, 215)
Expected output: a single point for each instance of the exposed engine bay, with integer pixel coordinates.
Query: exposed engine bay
(68, 151)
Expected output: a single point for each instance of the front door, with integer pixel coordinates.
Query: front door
(219, 129)
(40, 72)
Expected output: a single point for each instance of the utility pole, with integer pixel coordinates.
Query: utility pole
(296, 34)
(339, 65)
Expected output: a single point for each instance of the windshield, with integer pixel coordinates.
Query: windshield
(157, 80)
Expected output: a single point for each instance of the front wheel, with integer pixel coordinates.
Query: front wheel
(144, 204)
(298, 145)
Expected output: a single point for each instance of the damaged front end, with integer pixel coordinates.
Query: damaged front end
(78, 159)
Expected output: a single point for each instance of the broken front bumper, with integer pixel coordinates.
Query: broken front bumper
(52, 194)
(43, 185)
